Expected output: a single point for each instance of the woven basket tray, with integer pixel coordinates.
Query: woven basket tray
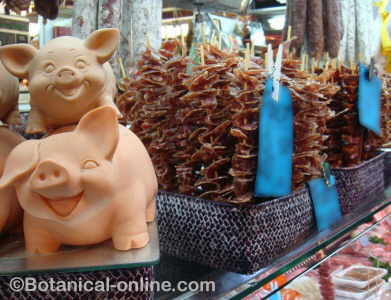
(360, 184)
(238, 238)
(144, 274)
(387, 169)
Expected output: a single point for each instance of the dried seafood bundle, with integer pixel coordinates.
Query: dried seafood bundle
(249, 87)
(373, 142)
(311, 97)
(386, 111)
(207, 111)
(200, 129)
(345, 145)
(350, 143)
(150, 104)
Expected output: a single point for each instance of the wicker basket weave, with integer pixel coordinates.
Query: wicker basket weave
(238, 238)
(144, 273)
(360, 184)
(387, 169)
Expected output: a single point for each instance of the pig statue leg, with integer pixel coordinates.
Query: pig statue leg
(130, 229)
(35, 122)
(108, 101)
(37, 238)
(13, 117)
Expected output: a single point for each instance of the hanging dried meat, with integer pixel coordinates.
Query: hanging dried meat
(316, 26)
(333, 30)
(47, 9)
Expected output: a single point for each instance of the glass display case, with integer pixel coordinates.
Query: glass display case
(296, 263)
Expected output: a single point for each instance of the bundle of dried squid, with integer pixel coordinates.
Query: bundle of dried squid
(248, 87)
(150, 103)
(345, 146)
(311, 97)
(207, 111)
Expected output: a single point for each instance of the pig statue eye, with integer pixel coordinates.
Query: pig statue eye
(90, 164)
(49, 68)
(80, 64)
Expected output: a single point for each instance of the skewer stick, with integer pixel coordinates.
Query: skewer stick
(289, 38)
(203, 33)
(302, 65)
(313, 66)
(266, 60)
(202, 55)
(121, 66)
(334, 63)
(148, 43)
(231, 48)
(220, 41)
(252, 50)
(289, 35)
(247, 57)
(305, 62)
(327, 59)
(183, 43)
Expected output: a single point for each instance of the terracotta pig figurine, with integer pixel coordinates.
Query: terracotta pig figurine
(67, 77)
(9, 95)
(84, 186)
(10, 211)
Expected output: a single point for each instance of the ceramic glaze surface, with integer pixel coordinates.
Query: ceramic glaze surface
(9, 94)
(10, 211)
(68, 77)
(84, 186)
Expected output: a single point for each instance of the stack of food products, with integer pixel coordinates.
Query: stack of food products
(350, 144)
(386, 111)
(345, 146)
(150, 103)
(311, 98)
(201, 127)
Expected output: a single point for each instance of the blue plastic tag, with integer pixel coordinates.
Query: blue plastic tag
(325, 200)
(369, 101)
(274, 170)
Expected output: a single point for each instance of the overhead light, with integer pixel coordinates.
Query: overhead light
(277, 22)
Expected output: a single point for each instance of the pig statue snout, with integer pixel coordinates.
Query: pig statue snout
(52, 180)
(66, 77)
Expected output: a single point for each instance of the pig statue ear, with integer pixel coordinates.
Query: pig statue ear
(17, 58)
(21, 161)
(101, 127)
(103, 42)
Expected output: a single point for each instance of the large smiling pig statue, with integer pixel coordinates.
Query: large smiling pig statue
(84, 186)
(10, 211)
(9, 95)
(67, 78)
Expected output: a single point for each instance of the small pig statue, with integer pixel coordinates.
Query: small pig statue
(9, 94)
(10, 211)
(84, 186)
(67, 77)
